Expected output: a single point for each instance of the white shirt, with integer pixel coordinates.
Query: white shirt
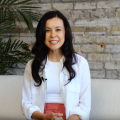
(76, 95)
(53, 78)
(53, 94)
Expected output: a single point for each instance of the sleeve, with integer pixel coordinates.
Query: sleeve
(83, 109)
(27, 106)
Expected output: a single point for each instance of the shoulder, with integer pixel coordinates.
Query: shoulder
(28, 65)
(80, 59)
(82, 63)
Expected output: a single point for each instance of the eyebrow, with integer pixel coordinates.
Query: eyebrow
(55, 27)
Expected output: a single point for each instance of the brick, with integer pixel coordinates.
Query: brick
(96, 65)
(82, 54)
(28, 40)
(96, 33)
(108, 4)
(56, 0)
(86, 14)
(97, 39)
(98, 13)
(45, 1)
(86, 23)
(63, 6)
(99, 57)
(75, 15)
(26, 31)
(77, 29)
(8, 34)
(118, 12)
(17, 30)
(77, 48)
(27, 34)
(107, 39)
(67, 0)
(95, 29)
(84, 39)
(112, 65)
(106, 22)
(111, 74)
(70, 22)
(91, 48)
(116, 57)
(31, 2)
(97, 74)
(112, 48)
(110, 12)
(85, 5)
(80, 33)
(66, 14)
(24, 25)
(115, 30)
(118, 74)
(42, 6)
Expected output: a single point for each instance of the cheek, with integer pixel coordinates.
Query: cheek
(62, 36)
(47, 37)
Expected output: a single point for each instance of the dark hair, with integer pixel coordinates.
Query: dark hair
(40, 50)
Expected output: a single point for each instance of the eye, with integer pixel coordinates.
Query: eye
(47, 30)
(58, 30)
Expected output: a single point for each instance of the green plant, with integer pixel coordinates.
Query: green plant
(12, 10)
(13, 52)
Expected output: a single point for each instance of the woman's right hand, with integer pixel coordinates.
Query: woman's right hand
(53, 116)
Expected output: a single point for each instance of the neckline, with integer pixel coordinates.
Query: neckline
(53, 62)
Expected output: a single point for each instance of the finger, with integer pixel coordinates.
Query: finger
(58, 118)
(54, 118)
(58, 114)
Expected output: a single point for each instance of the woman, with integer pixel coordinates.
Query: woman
(57, 81)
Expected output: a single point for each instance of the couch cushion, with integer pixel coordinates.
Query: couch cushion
(105, 99)
(10, 97)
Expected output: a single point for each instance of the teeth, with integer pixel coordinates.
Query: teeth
(53, 41)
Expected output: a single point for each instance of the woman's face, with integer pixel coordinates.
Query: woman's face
(55, 33)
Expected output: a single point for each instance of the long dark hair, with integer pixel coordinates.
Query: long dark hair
(40, 50)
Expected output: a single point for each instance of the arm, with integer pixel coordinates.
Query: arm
(83, 109)
(28, 107)
(31, 111)
(49, 116)
(38, 115)
(74, 117)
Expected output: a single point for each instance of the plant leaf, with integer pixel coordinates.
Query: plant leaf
(24, 1)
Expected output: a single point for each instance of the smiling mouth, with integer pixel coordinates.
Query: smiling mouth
(53, 41)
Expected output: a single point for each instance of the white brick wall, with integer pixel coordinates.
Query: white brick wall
(112, 65)
(96, 31)
(63, 6)
(85, 5)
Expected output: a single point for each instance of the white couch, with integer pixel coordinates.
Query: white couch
(105, 99)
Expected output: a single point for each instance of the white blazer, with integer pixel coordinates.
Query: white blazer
(76, 94)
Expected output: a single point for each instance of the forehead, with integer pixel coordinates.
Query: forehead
(53, 22)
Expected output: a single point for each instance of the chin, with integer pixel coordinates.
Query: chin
(54, 49)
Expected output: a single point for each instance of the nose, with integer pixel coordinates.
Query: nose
(53, 33)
